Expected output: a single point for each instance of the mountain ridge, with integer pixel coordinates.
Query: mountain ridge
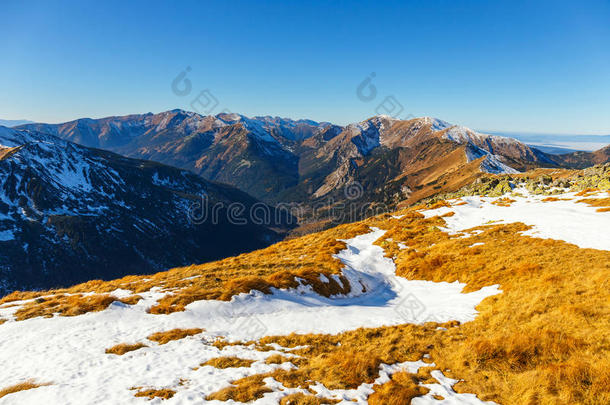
(201, 143)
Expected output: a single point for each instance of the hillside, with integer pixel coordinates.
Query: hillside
(70, 214)
(490, 297)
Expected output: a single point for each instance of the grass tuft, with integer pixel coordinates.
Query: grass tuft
(243, 390)
(400, 390)
(277, 359)
(174, 334)
(123, 348)
(305, 399)
(228, 362)
(504, 202)
(67, 305)
(28, 385)
(152, 393)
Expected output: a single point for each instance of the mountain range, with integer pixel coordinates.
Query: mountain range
(278, 160)
(488, 292)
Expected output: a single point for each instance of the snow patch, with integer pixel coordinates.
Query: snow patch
(572, 222)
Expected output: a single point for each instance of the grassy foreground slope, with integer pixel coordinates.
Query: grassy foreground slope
(543, 340)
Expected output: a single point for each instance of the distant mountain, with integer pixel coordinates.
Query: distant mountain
(69, 214)
(396, 161)
(581, 160)
(552, 150)
(14, 123)
(279, 159)
(254, 154)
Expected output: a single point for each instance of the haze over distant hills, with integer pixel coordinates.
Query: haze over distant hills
(14, 123)
(558, 144)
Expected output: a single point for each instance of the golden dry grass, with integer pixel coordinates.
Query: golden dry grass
(400, 390)
(28, 385)
(553, 199)
(303, 399)
(439, 204)
(277, 359)
(602, 203)
(228, 362)
(551, 315)
(6, 152)
(344, 369)
(152, 393)
(174, 334)
(503, 202)
(2, 320)
(243, 390)
(587, 192)
(545, 338)
(277, 266)
(123, 348)
(355, 361)
(68, 305)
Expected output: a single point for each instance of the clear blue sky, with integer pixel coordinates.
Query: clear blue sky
(536, 66)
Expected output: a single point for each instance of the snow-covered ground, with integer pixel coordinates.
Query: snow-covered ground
(69, 352)
(566, 219)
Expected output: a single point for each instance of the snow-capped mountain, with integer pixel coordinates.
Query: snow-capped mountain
(69, 213)
(410, 159)
(254, 154)
(279, 159)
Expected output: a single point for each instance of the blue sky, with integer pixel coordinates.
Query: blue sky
(533, 66)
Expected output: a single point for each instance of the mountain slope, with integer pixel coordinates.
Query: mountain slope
(474, 300)
(393, 160)
(70, 213)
